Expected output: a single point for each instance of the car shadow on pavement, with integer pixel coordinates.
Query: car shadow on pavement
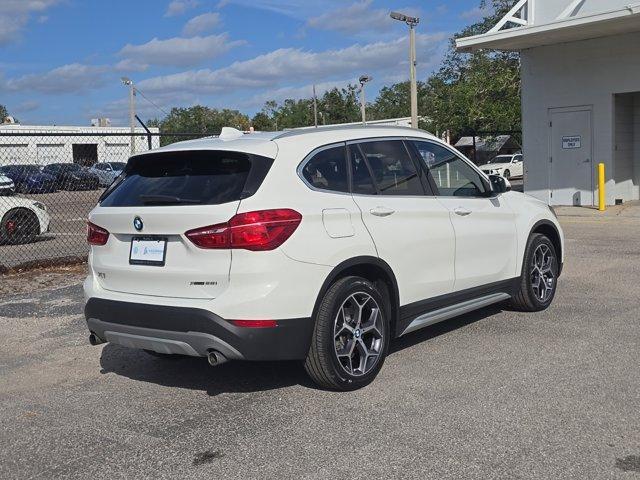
(244, 377)
(197, 374)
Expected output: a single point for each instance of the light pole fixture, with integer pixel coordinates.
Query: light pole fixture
(363, 104)
(132, 111)
(412, 22)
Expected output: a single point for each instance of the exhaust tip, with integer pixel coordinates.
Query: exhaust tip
(95, 340)
(215, 358)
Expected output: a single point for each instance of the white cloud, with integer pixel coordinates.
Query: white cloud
(28, 106)
(353, 18)
(71, 78)
(476, 13)
(300, 9)
(15, 14)
(179, 7)
(129, 65)
(178, 51)
(202, 23)
(273, 69)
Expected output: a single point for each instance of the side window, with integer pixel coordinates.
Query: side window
(327, 170)
(517, 159)
(360, 174)
(393, 169)
(453, 176)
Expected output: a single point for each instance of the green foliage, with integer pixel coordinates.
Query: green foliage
(3, 113)
(199, 120)
(475, 91)
(334, 106)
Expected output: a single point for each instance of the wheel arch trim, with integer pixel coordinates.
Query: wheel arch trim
(363, 261)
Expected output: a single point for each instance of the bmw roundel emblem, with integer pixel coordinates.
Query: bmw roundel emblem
(137, 224)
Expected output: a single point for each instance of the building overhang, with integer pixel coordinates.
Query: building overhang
(605, 24)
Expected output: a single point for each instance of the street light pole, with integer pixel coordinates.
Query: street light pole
(132, 111)
(363, 103)
(315, 107)
(411, 22)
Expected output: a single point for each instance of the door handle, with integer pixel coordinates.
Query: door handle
(382, 211)
(462, 212)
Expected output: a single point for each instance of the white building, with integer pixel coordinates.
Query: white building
(580, 95)
(32, 144)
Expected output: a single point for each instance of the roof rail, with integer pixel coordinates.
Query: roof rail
(302, 131)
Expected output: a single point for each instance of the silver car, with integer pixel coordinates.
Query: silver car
(107, 171)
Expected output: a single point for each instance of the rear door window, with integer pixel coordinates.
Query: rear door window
(393, 169)
(187, 178)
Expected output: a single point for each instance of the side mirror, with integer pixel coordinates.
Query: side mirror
(499, 184)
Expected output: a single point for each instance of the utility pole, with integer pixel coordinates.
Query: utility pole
(411, 22)
(315, 107)
(363, 103)
(132, 111)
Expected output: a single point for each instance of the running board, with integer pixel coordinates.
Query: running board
(453, 311)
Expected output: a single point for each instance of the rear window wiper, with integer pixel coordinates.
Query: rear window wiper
(166, 199)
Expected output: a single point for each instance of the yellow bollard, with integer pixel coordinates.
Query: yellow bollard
(601, 193)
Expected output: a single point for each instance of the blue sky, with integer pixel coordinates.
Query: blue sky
(61, 60)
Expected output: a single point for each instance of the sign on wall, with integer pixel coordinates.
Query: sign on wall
(571, 142)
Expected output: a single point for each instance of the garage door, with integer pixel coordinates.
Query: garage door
(116, 152)
(13, 153)
(52, 153)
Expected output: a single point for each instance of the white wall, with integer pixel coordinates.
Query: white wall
(42, 150)
(575, 74)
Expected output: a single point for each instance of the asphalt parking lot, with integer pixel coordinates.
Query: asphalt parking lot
(494, 394)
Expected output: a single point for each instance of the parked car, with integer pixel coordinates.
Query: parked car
(107, 172)
(71, 176)
(318, 245)
(507, 166)
(22, 220)
(7, 187)
(29, 178)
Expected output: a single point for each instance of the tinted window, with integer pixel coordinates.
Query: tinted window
(196, 177)
(362, 182)
(453, 176)
(327, 170)
(393, 169)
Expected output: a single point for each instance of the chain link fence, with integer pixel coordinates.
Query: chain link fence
(49, 182)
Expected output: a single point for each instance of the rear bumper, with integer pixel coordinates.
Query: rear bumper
(194, 331)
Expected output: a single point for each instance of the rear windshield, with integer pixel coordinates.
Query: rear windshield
(187, 178)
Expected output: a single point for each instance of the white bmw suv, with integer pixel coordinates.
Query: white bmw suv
(320, 245)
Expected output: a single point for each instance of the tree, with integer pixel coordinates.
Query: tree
(3, 113)
(199, 120)
(394, 101)
(477, 91)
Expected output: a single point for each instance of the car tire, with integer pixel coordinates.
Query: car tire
(507, 174)
(19, 226)
(351, 335)
(539, 278)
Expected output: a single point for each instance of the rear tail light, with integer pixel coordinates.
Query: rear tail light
(96, 235)
(256, 231)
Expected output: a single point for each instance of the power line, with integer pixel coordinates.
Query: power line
(151, 101)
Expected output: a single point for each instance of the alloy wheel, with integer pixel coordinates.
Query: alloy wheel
(543, 275)
(358, 334)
